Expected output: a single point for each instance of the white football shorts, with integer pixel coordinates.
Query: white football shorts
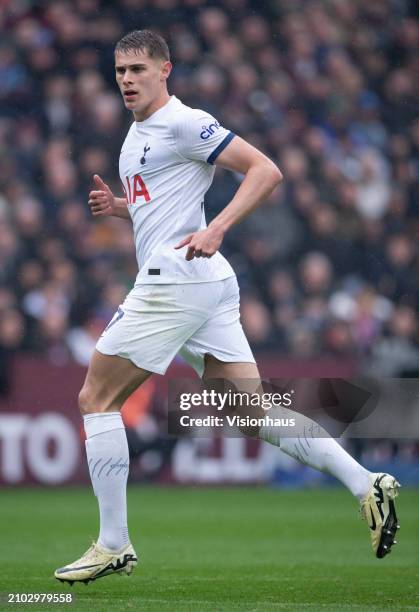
(156, 322)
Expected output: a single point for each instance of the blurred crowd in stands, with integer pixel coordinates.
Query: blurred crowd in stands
(329, 89)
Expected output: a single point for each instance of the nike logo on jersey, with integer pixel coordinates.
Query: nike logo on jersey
(146, 149)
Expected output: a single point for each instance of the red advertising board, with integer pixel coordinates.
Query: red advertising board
(42, 440)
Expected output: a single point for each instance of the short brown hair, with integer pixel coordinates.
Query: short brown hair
(144, 40)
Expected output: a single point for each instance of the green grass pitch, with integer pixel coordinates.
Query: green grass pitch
(213, 549)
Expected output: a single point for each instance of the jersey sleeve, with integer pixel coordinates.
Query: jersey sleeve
(200, 137)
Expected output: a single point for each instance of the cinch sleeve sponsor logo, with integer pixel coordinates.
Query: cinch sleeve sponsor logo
(134, 189)
(207, 132)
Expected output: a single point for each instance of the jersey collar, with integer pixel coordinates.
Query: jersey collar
(159, 112)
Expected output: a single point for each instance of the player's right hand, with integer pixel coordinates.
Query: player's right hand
(101, 200)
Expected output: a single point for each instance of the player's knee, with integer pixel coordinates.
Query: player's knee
(88, 401)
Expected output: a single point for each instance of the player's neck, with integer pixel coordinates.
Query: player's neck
(158, 103)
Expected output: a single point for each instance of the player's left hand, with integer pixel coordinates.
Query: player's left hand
(203, 243)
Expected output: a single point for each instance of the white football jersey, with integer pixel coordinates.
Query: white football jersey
(166, 167)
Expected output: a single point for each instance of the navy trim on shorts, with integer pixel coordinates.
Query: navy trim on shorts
(211, 159)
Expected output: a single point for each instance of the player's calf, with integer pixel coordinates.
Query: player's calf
(91, 400)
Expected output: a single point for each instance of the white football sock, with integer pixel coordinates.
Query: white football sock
(108, 460)
(316, 448)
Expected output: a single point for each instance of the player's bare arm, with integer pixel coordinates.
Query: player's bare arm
(261, 178)
(103, 203)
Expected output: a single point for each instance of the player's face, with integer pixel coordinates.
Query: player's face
(141, 79)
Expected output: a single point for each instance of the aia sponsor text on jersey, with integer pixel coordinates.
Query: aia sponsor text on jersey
(135, 190)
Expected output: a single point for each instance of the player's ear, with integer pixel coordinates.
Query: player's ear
(166, 69)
